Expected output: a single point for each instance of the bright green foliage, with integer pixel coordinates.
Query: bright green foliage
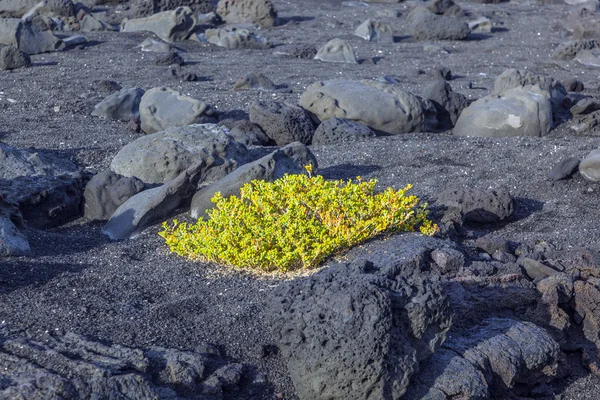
(295, 222)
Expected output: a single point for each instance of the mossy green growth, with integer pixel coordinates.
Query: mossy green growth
(295, 222)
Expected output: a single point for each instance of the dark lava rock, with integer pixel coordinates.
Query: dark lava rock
(448, 260)
(282, 122)
(248, 133)
(259, 12)
(476, 205)
(12, 240)
(568, 50)
(370, 321)
(107, 87)
(106, 191)
(425, 25)
(573, 85)
(448, 103)
(488, 361)
(444, 7)
(13, 58)
(564, 169)
(122, 105)
(492, 244)
(304, 52)
(584, 106)
(170, 58)
(290, 159)
(47, 201)
(337, 130)
(442, 73)
(145, 8)
(70, 366)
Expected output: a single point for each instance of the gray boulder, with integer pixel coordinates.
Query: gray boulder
(425, 25)
(589, 167)
(106, 191)
(359, 330)
(122, 105)
(89, 23)
(375, 31)
(170, 26)
(382, 107)
(336, 50)
(147, 8)
(259, 12)
(12, 240)
(564, 169)
(448, 103)
(233, 38)
(13, 58)
(282, 122)
(27, 37)
(290, 159)
(162, 108)
(476, 205)
(488, 361)
(162, 156)
(338, 130)
(16, 8)
(518, 111)
(157, 204)
(514, 78)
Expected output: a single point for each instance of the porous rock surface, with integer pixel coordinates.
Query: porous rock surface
(106, 191)
(260, 12)
(395, 318)
(283, 123)
(70, 366)
(162, 156)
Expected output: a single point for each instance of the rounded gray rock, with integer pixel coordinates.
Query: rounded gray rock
(589, 167)
(106, 191)
(13, 58)
(122, 105)
(162, 156)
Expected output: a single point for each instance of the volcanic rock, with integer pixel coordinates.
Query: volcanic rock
(476, 205)
(233, 38)
(589, 167)
(564, 169)
(375, 31)
(380, 106)
(259, 12)
(568, 50)
(336, 50)
(282, 122)
(513, 78)
(338, 130)
(106, 191)
(27, 37)
(170, 26)
(13, 58)
(255, 81)
(518, 111)
(122, 105)
(448, 103)
(162, 108)
(425, 25)
(163, 156)
(12, 240)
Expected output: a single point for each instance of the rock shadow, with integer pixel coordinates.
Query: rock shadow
(17, 274)
(348, 171)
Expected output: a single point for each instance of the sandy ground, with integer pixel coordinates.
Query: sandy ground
(135, 293)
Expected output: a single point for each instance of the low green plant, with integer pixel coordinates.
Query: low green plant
(295, 222)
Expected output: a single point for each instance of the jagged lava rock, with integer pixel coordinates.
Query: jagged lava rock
(162, 108)
(338, 130)
(12, 239)
(513, 78)
(284, 123)
(476, 205)
(394, 316)
(27, 37)
(13, 58)
(162, 156)
(448, 104)
(380, 106)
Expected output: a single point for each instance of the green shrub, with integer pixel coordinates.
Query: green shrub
(295, 222)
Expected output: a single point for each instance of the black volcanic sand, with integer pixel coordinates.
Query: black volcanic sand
(136, 293)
